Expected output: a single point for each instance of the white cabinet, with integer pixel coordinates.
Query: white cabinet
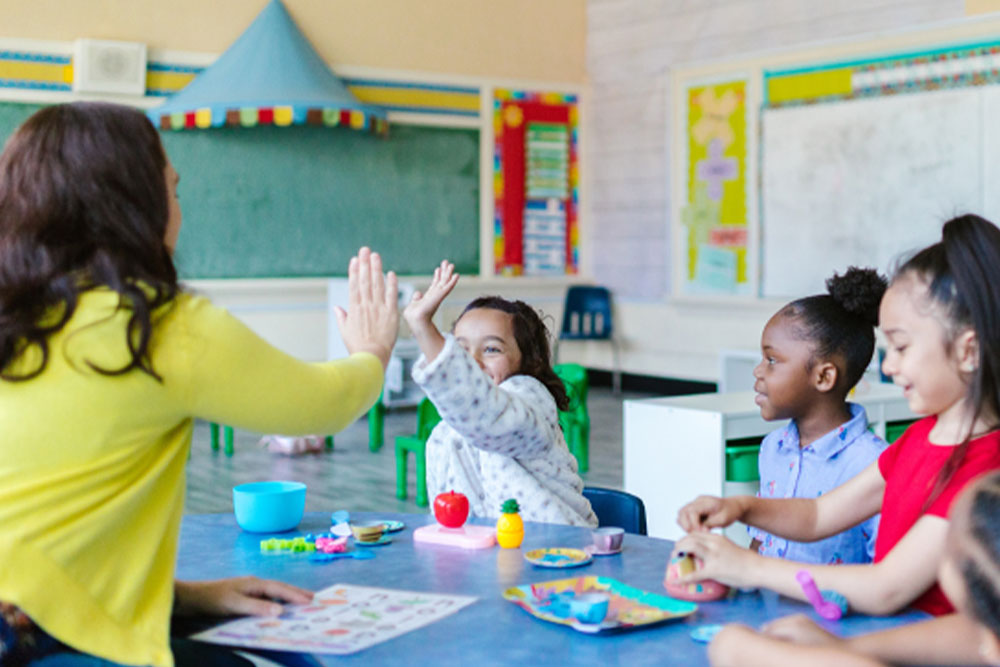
(674, 448)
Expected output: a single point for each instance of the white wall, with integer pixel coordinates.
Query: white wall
(631, 46)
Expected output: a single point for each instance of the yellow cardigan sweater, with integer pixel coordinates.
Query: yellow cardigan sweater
(92, 466)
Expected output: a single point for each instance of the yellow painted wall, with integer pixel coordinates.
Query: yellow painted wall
(981, 6)
(521, 39)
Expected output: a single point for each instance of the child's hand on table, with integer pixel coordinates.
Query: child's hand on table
(722, 560)
(707, 512)
(371, 321)
(729, 647)
(243, 596)
(800, 629)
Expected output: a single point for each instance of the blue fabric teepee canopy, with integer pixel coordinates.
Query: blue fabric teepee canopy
(270, 75)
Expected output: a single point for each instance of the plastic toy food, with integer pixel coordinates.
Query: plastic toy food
(831, 605)
(451, 509)
(706, 590)
(510, 528)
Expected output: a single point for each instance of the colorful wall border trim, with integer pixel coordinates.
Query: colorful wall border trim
(935, 69)
(282, 116)
(35, 71)
(54, 72)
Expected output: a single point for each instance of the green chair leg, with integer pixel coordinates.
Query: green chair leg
(214, 430)
(227, 435)
(421, 456)
(376, 426)
(329, 442)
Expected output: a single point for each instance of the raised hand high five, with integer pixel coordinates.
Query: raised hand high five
(420, 311)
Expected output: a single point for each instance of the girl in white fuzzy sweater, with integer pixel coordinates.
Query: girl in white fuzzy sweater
(498, 397)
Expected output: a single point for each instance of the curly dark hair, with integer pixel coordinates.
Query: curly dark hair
(842, 322)
(533, 341)
(83, 204)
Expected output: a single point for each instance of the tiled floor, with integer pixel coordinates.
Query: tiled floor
(353, 478)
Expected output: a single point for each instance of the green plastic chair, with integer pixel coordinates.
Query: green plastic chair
(376, 425)
(575, 421)
(427, 419)
(376, 431)
(227, 436)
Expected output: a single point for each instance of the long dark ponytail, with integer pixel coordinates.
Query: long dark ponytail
(83, 203)
(962, 274)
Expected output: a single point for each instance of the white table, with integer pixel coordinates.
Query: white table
(674, 448)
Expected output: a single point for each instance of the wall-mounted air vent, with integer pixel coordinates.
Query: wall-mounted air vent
(100, 66)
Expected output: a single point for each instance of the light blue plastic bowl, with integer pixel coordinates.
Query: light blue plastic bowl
(269, 507)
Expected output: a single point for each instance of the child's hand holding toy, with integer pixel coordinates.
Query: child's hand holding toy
(720, 559)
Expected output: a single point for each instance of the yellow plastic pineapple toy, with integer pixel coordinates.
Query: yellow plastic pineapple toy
(510, 528)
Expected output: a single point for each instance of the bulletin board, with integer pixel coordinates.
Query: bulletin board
(790, 166)
(535, 183)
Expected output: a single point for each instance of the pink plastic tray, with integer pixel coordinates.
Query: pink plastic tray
(467, 537)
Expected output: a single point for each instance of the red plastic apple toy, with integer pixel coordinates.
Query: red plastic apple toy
(451, 509)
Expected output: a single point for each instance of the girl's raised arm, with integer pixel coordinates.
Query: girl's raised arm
(420, 311)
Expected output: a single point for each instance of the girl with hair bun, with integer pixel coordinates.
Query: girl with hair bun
(814, 350)
(941, 318)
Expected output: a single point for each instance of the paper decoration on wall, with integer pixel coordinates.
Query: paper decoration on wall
(271, 75)
(916, 71)
(715, 214)
(535, 183)
(342, 619)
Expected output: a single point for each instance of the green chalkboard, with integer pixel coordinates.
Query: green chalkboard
(299, 201)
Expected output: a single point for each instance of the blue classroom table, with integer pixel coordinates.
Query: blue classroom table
(491, 630)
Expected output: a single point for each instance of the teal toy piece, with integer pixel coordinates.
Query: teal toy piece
(326, 558)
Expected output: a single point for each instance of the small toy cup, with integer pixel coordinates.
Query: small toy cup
(608, 539)
(706, 590)
(269, 507)
(589, 607)
(368, 531)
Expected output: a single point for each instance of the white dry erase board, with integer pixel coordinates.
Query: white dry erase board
(847, 154)
(861, 181)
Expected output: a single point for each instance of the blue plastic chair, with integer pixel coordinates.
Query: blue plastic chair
(587, 316)
(617, 508)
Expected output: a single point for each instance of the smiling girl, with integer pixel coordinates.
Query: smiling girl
(940, 316)
(492, 383)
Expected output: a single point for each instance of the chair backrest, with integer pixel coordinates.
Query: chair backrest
(617, 508)
(574, 377)
(427, 418)
(587, 313)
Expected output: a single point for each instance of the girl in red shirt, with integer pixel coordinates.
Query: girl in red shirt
(970, 576)
(941, 317)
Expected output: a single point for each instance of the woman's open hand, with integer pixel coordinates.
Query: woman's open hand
(371, 321)
(244, 596)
